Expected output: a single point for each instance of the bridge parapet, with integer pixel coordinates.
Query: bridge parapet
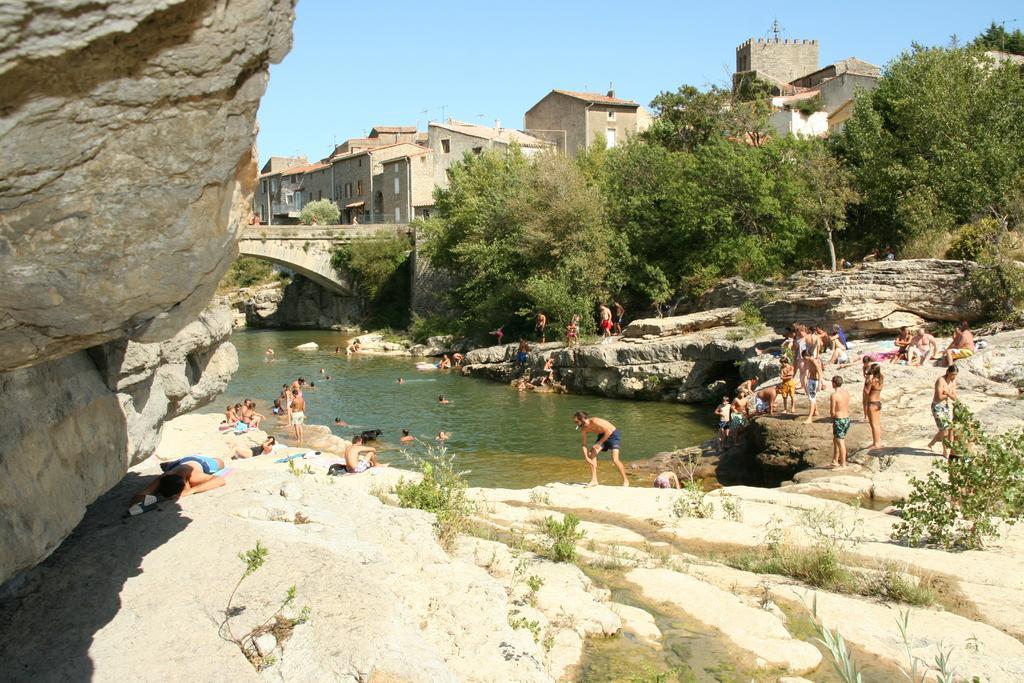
(343, 233)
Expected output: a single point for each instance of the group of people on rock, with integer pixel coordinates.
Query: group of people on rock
(805, 353)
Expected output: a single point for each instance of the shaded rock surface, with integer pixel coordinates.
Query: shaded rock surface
(128, 131)
(300, 304)
(74, 425)
(872, 298)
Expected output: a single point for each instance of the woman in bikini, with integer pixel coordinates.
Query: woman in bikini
(873, 387)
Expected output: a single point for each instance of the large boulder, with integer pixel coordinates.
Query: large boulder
(128, 130)
(870, 299)
(73, 426)
(128, 163)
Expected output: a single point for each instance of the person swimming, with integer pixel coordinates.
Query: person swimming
(442, 400)
(406, 436)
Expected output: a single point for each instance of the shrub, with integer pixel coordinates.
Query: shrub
(380, 271)
(246, 272)
(750, 318)
(962, 501)
(422, 328)
(442, 490)
(691, 502)
(562, 537)
(320, 212)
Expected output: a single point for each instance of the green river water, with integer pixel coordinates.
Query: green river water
(506, 439)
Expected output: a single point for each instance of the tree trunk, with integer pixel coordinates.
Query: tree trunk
(831, 249)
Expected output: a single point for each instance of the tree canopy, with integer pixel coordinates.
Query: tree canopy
(996, 37)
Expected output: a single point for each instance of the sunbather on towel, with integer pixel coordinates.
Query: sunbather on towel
(184, 476)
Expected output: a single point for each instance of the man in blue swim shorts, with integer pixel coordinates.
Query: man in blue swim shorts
(193, 474)
(609, 438)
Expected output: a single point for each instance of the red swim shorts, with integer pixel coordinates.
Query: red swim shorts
(606, 324)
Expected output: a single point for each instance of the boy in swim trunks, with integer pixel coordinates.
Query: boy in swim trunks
(942, 413)
(355, 462)
(297, 414)
(788, 388)
(724, 413)
(182, 477)
(839, 411)
(609, 438)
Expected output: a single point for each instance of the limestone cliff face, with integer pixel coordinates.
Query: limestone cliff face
(127, 128)
(873, 298)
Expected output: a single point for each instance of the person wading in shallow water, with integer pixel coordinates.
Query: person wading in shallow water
(608, 439)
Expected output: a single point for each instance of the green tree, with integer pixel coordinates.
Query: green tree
(320, 212)
(937, 142)
(688, 118)
(518, 235)
(996, 37)
(379, 269)
(246, 272)
(827, 194)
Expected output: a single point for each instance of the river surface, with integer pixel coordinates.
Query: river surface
(504, 438)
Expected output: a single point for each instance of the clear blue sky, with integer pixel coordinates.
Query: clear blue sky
(355, 65)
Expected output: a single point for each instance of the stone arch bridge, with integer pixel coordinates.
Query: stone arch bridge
(307, 249)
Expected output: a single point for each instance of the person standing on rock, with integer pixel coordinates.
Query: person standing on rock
(724, 413)
(814, 375)
(620, 314)
(874, 390)
(788, 388)
(942, 410)
(541, 326)
(605, 322)
(839, 411)
(297, 414)
(609, 438)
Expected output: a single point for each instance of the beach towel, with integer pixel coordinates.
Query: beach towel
(293, 457)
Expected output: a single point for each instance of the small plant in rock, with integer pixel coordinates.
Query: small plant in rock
(442, 490)
(532, 625)
(540, 497)
(282, 626)
(920, 671)
(548, 643)
(562, 537)
(534, 583)
(750, 319)
(842, 659)
(692, 502)
(964, 501)
(731, 508)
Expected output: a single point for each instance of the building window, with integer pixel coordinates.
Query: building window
(446, 146)
(359, 188)
(398, 185)
(360, 163)
(423, 158)
(611, 116)
(263, 187)
(478, 150)
(398, 214)
(348, 190)
(396, 168)
(610, 137)
(319, 195)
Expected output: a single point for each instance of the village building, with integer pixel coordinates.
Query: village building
(572, 120)
(407, 184)
(451, 140)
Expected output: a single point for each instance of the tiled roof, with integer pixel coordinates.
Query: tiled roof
(414, 153)
(595, 97)
(506, 135)
(301, 168)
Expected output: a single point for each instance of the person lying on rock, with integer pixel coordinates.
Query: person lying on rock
(359, 457)
(264, 448)
(182, 477)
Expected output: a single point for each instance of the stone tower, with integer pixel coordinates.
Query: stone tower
(781, 59)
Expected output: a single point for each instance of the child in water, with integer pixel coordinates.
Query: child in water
(406, 437)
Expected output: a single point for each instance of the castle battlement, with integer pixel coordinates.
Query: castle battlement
(784, 59)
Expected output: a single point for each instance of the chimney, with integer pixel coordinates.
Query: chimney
(497, 124)
(611, 93)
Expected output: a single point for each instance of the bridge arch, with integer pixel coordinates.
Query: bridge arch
(307, 250)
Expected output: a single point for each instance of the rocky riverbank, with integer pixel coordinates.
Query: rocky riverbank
(387, 603)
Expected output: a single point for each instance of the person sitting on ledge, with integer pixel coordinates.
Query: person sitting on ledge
(182, 477)
(962, 345)
(355, 461)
